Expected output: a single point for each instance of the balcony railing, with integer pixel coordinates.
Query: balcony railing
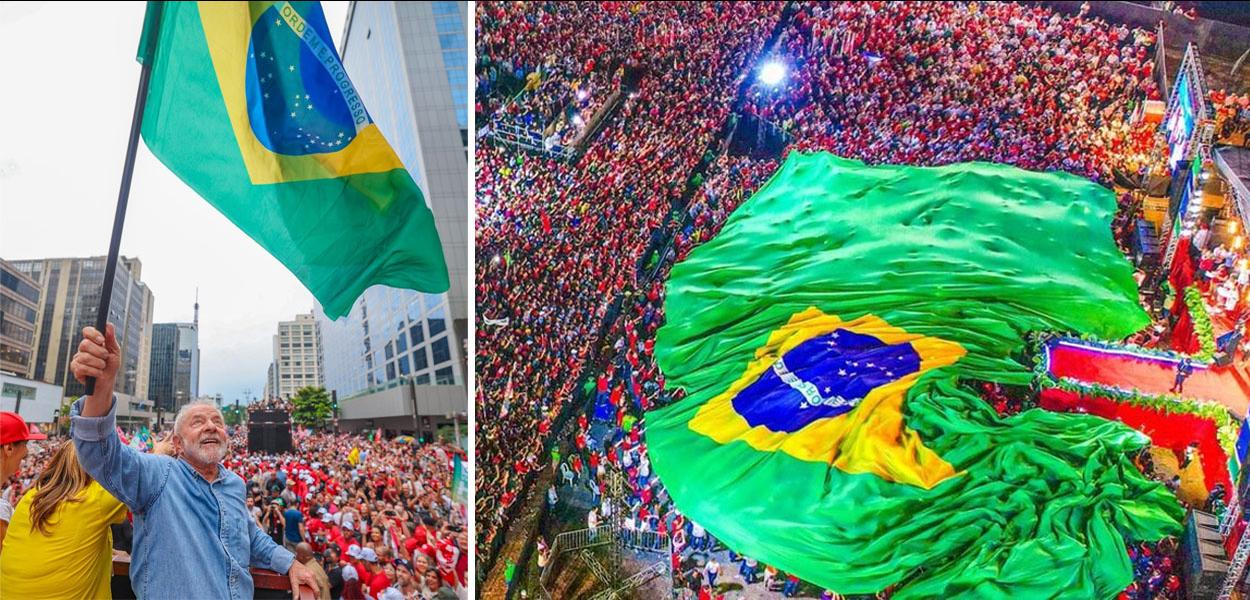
(268, 584)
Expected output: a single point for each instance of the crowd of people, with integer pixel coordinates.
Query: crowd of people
(558, 102)
(1222, 275)
(938, 83)
(889, 82)
(1232, 117)
(383, 507)
(1155, 577)
(271, 404)
(542, 294)
(371, 517)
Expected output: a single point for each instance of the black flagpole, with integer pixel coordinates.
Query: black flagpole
(123, 195)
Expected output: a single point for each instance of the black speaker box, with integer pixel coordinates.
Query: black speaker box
(269, 438)
(1204, 563)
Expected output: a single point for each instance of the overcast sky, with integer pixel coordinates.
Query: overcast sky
(69, 79)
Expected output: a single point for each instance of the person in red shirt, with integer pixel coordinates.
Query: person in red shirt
(336, 536)
(316, 522)
(377, 578)
(447, 556)
(352, 559)
(352, 586)
(410, 545)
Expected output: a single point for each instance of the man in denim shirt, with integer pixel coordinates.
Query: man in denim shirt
(193, 534)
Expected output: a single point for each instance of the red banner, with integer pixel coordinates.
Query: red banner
(1172, 431)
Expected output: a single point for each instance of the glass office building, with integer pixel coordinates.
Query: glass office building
(409, 61)
(19, 310)
(175, 370)
(70, 296)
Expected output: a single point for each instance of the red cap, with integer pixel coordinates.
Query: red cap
(13, 428)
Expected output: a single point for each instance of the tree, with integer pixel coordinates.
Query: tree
(313, 407)
(234, 414)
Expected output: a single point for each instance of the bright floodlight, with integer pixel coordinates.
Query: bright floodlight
(772, 73)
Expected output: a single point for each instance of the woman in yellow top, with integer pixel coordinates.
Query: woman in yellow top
(59, 544)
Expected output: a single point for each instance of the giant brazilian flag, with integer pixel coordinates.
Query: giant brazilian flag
(249, 105)
(824, 338)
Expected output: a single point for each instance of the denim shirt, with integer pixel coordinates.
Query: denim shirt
(192, 538)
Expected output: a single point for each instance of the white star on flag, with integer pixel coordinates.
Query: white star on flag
(291, 68)
(842, 372)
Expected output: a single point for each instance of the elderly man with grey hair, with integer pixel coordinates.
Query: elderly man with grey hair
(193, 534)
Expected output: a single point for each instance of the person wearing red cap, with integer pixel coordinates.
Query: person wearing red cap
(14, 436)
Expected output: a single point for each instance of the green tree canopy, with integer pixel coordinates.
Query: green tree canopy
(234, 414)
(313, 407)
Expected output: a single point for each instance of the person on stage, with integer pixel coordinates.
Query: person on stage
(193, 533)
(1183, 371)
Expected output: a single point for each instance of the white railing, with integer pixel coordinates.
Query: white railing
(570, 541)
(582, 538)
(632, 539)
(648, 541)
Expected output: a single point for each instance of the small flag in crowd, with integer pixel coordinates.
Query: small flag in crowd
(249, 104)
(459, 482)
(353, 457)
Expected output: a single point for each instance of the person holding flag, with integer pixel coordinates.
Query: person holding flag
(192, 527)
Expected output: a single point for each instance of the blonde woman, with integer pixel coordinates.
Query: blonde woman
(59, 544)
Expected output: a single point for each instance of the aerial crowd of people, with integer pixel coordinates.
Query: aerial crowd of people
(573, 254)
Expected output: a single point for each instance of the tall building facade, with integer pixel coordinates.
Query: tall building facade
(175, 369)
(68, 301)
(296, 357)
(19, 310)
(409, 62)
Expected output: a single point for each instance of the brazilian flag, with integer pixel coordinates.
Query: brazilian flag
(249, 104)
(825, 339)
